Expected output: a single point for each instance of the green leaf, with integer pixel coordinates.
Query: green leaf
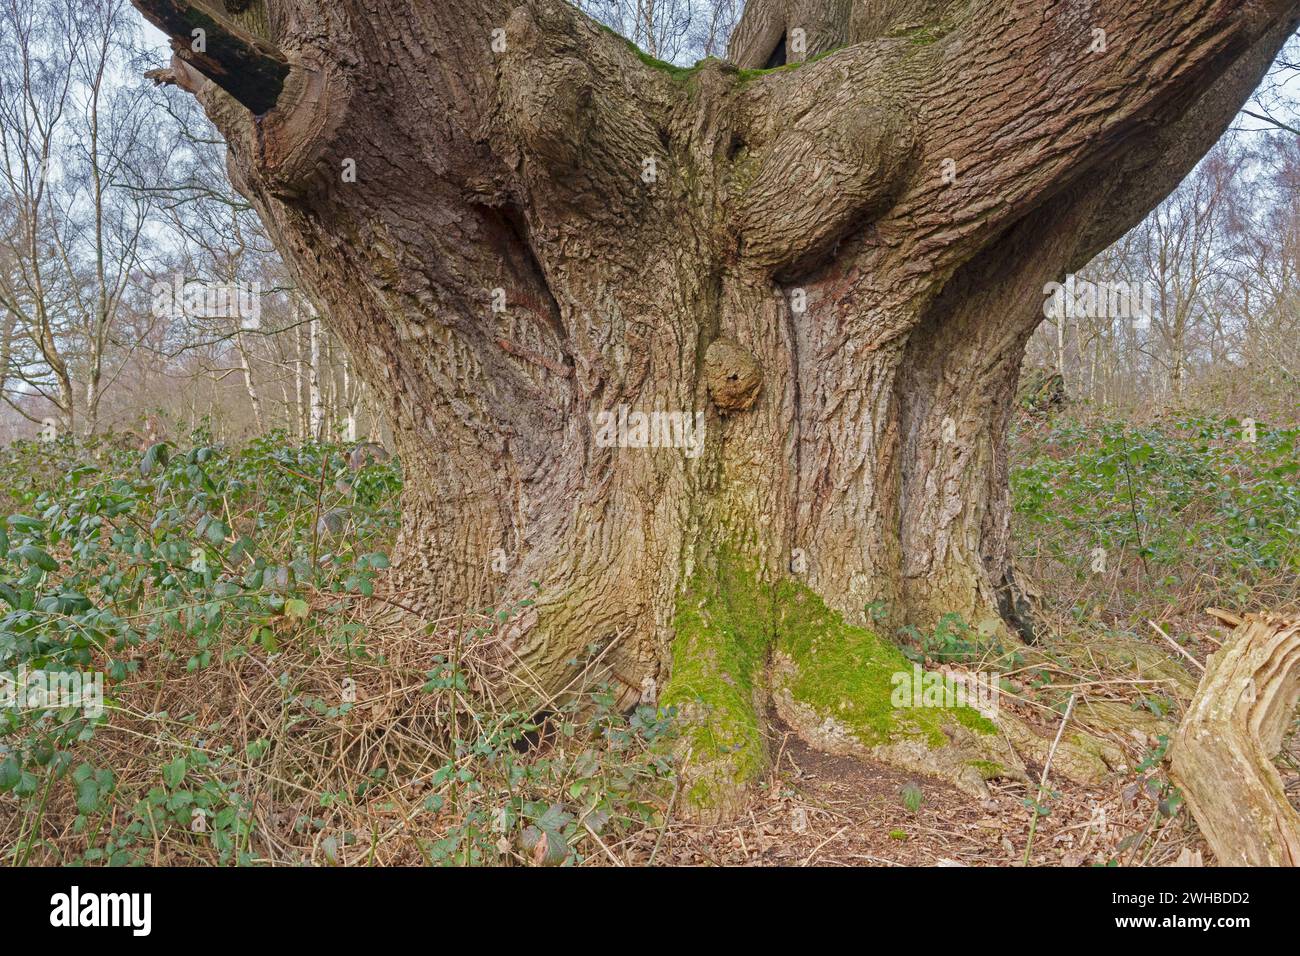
(266, 637)
(156, 456)
(87, 796)
(174, 772)
(13, 598)
(34, 555)
(295, 607)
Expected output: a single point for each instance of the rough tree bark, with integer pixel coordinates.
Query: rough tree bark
(516, 221)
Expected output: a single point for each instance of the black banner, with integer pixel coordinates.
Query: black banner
(192, 907)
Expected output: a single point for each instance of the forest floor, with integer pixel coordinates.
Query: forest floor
(824, 810)
(257, 714)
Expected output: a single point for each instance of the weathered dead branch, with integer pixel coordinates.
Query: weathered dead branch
(1222, 754)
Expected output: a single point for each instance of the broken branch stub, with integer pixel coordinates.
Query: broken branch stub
(1222, 754)
(249, 68)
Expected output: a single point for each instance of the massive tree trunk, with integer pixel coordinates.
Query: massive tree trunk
(518, 224)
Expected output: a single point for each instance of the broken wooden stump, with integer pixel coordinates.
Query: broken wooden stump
(1222, 754)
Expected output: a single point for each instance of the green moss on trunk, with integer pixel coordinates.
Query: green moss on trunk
(727, 624)
(723, 630)
(847, 673)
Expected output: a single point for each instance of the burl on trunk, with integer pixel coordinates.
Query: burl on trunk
(711, 361)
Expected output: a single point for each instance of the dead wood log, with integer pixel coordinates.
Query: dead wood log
(1222, 754)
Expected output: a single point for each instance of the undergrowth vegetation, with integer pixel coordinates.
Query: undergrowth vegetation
(256, 707)
(267, 698)
(1123, 522)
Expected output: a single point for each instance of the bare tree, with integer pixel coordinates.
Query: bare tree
(76, 147)
(663, 28)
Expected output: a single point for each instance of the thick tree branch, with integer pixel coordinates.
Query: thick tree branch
(249, 68)
(771, 32)
(806, 183)
(1011, 104)
(1162, 154)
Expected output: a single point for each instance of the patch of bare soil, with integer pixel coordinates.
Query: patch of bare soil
(822, 810)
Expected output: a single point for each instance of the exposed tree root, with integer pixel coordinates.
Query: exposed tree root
(742, 646)
(953, 751)
(834, 684)
(1144, 661)
(1080, 756)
